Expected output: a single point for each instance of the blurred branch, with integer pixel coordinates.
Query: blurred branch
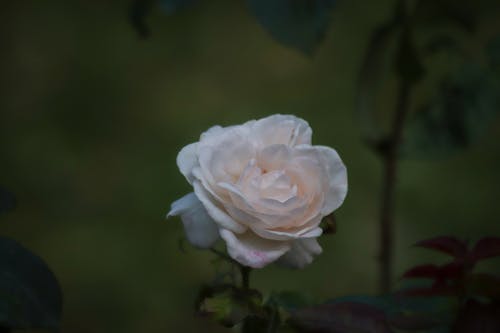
(390, 161)
(139, 10)
(409, 71)
(245, 277)
(224, 256)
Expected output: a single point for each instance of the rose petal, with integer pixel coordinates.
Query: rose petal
(281, 129)
(216, 134)
(217, 214)
(223, 157)
(337, 180)
(253, 251)
(201, 231)
(263, 215)
(187, 160)
(301, 254)
(274, 157)
(305, 231)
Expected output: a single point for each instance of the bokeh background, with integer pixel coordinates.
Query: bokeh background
(91, 120)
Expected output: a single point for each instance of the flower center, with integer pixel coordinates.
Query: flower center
(265, 184)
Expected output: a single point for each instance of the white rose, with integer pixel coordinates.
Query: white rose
(263, 188)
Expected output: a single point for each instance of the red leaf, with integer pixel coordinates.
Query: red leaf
(423, 271)
(487, 247)
(451, 271)
(448, 245)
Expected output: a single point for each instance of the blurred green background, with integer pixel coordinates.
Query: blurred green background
(91, 120)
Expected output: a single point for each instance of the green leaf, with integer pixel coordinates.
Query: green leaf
(224, 309)
(229, 305)
(465, 104)
(30, 296)
(300, 24)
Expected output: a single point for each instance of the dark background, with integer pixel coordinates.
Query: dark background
(92, 117)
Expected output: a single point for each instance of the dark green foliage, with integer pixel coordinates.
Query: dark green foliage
(447, 304)
(229, 305)
(30, 296)
(171, 6)
(459, 13)
(341, 317)
(465, 104)
(376, 314)
(300, 24)
(493, 49)
(139, 10)
(7, 201)
(289, 300)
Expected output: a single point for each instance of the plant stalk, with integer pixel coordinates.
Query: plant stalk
(390, 173)
(245, 277)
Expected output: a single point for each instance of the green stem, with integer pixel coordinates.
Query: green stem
(244, 270)
(390, 161)
(245, 277)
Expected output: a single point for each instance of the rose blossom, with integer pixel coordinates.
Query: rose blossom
(263, 188)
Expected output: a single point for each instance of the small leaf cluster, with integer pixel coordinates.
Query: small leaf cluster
(457, 277)
(403, 49)
(409, 49)
(299, 24)
(457, 300)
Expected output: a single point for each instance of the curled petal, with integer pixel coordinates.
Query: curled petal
(301, 254)
(217, 214)
(217, 134)
(201, 231)
(281, 129)
(251, 250)
(337, 178)
(290, 234)
(333, 172)
(187, 160)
